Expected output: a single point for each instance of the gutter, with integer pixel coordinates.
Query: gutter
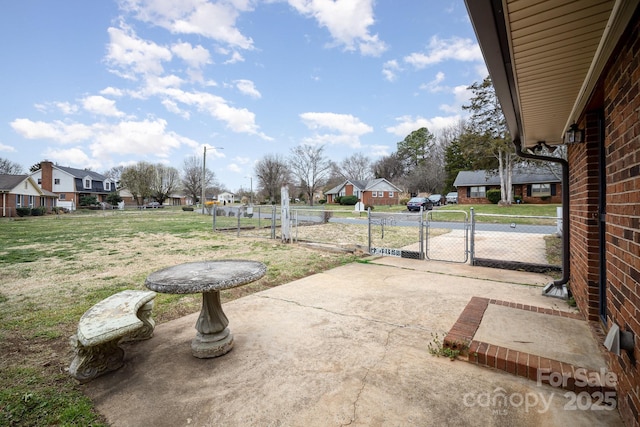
(557, 288)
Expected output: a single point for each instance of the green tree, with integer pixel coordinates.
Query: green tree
(487, 140)
(416, 147)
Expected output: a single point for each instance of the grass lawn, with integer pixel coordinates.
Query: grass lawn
(55, 268)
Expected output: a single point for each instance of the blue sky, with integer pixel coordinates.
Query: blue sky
(96, 84)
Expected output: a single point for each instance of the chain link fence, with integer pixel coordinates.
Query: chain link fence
(500, 241)
(530, 243)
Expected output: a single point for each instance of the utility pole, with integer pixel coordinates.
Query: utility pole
(204, 174)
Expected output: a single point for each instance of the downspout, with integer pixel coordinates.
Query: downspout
(557, 288)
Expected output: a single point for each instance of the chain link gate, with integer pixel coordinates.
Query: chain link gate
(397, 234)
(447, 236)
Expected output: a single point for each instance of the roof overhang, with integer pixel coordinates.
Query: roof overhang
(545, 58)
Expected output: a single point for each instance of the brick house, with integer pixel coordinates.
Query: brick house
(531, 185)
(72, 184)
(375, 192)
(20, 191)
(571, 75)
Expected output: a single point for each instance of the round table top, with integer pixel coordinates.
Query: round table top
(205, 276)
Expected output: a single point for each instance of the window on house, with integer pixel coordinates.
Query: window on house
(374, 194)
(540, 190)
(390, 193)
(56, 181)
(87, 183)
(107, 186)
(39, 181)
(477, 191)
(62, 196)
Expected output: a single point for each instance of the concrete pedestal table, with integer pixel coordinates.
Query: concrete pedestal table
(208, 277)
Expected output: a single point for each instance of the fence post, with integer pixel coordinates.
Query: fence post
(369, 228)
(423, 224)
(473, 234)
(273, 221)
(238, 215)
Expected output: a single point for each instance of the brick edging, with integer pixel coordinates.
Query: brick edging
(536, 368)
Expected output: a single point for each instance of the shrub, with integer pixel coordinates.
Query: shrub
(88, 201)
(404, 201)
(494, 196)
(23, 211)
(39, 211)
(517, 199)
(322, 202)
(337, 199)
(113, 198)
(348, 200)
(367, 207)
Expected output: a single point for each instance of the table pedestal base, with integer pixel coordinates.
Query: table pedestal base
(205, 346)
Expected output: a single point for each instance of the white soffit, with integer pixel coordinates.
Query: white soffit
(553, 45)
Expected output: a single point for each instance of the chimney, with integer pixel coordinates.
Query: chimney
(47, 175)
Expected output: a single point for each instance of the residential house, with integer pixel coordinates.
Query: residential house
(226, 198)
(72, 184)
(375, 192)
(21, 191)
(570, 74)
(531, 185)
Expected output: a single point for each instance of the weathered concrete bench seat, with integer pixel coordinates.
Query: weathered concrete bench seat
(125, 316)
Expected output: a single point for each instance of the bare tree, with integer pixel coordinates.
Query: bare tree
(357, 167)
(10, 168)
(389, 167)
(166, 182)
(311, 167)
(272, 172)
(114, 173)
(139, 179)
(192, 178)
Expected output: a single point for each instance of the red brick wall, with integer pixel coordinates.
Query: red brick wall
(583, 219)
(47, 176)
(622, 150)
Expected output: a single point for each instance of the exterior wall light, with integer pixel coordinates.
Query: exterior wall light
(574, 135)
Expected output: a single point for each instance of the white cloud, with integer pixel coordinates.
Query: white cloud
(7, 148)
(147, 137)
(131, 56)
(242, 160)
(380, 150)
(66, 133)
(234, 168)
(70, 156)
(434, 85)
(112, 91)
(100, 105)
(348, 23)
(238, 120)
(247, 87)
(408, 124)
(173, 108)
(389, 70)
(340, 129)
(216, 21)
(462, 95)
(439, 50)
(195, 57)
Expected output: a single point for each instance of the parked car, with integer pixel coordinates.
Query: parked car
(153, 205)
(452, 197)
(436, 199)
(419, 202)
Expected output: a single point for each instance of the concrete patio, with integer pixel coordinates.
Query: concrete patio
(350, 347)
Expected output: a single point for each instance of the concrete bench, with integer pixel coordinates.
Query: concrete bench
(125, 316)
